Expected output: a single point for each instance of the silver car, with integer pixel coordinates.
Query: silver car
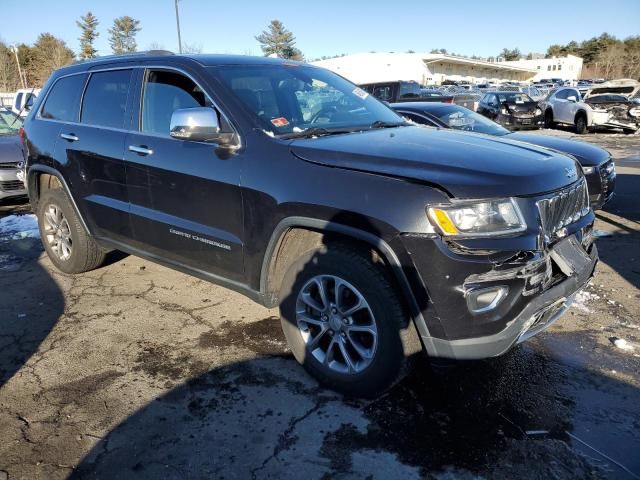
(11, 156)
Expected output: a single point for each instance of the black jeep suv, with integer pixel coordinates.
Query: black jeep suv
(289, 184)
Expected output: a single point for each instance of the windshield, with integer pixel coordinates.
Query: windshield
(514, 97)
(461, 118)
(10, 123)
(288, 99)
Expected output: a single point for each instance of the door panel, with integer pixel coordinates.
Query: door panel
(97, 172)
(94, 151)
(185, 198)
(186, 203)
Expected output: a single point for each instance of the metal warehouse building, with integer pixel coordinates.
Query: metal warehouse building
(424, 68)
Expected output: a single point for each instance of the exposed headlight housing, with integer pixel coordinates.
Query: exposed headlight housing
(588, 170)
(488, 218)
(538, 112)
(634, 112)
(504, 111)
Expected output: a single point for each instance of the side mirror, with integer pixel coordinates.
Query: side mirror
(199, 124)
(572, 98)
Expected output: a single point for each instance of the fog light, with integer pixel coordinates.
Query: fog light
(482, 300)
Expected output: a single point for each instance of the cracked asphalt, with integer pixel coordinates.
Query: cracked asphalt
(137, 371)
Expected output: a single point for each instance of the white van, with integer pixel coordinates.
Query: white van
(23, 100)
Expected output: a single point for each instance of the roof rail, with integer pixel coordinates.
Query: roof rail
(127, 54)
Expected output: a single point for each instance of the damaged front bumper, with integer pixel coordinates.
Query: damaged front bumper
(520, 121)
(612, 118)
(532, 288)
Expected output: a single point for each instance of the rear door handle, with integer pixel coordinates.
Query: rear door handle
(142, 150)
(69, 136)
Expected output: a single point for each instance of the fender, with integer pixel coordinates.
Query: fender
(383, 247)
(31, 182)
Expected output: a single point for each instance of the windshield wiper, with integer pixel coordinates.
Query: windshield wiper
(381, 124)
(313, 132)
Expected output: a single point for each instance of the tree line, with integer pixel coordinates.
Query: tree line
(604, 56)
(48, 53)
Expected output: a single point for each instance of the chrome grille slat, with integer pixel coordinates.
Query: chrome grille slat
(563, 208)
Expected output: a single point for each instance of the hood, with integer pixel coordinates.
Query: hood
(465, 164)
(587, 154)
(626, 87)
(10, 149)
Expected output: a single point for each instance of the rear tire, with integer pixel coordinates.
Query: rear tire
(319, 339)
(581, 124)
(70, 248)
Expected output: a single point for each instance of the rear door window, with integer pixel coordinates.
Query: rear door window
(105, 101)
(63, 100)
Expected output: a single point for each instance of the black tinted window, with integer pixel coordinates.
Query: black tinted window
(64, 99)
(105, 100)
(165, 92)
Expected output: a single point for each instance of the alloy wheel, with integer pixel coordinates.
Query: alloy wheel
(336, 324)
(57, 232)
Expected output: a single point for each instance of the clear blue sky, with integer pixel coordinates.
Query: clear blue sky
(481, 27)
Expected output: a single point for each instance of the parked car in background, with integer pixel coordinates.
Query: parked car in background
(597, 165)
(612, 104)
(513, 110)
(365, 230)
(408, 91)
(23, 101)
(432, 92)
(11, 156)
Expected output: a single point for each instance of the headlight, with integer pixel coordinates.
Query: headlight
(538, 112)
(504, 111)
(478, 219)
(588, 170)
(634, 112)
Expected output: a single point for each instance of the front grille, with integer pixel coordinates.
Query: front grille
(8, 166)
(11, 185)
(564, 208)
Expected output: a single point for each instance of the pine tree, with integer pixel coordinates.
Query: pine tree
(279, 41)
(123, 34)
(88, 24)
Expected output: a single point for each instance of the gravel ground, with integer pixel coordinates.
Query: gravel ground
(137, 371)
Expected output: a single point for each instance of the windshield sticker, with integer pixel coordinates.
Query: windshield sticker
(280, 122)
(360, 93)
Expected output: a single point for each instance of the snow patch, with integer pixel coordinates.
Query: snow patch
(16, 227)
(622, 344)
(582, 298)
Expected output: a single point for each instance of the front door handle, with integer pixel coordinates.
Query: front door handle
(142, 150)
(69, 136)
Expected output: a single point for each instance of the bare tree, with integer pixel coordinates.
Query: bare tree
(49, 54)
(191, 48)
(9, 80)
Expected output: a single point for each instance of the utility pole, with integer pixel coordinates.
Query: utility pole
(14, 49)
(178, 25)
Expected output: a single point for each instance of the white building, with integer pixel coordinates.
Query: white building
(424, 68)
(566, 68)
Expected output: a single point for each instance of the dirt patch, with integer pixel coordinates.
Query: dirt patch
(264, 337)
(162, 361)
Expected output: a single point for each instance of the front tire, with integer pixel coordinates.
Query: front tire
(581, 125)
(548, 119)
(70, 248)
(342, 319)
